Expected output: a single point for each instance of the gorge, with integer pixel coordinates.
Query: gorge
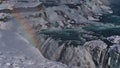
(60, 33)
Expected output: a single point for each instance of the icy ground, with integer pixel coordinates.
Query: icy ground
(15, 49)
(16, 53)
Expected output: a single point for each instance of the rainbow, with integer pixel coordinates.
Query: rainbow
(27, 29)
(29, 32)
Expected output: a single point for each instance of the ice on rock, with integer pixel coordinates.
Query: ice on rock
(114, 39)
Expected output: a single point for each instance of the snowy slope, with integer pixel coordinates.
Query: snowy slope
(17, 53)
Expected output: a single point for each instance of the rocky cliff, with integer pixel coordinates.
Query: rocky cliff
(81, 33)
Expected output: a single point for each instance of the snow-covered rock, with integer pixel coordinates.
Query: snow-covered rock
(17, 53)
(5, 6)
(96, 49)
(114, 39)
(114, 56)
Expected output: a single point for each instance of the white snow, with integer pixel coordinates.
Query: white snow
(5, 6)
(17, 53)
(15, 49)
